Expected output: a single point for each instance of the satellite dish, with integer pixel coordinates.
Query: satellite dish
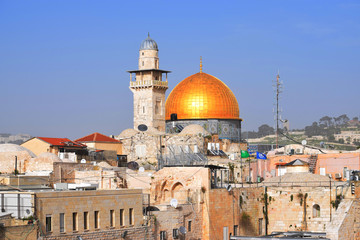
(182, 230)
(303, 142)
(133, 165)
(141, 169)
(150, 174)
(83, 161)
(27, 211)
(228, 188)
(174, 203)
(142, 127)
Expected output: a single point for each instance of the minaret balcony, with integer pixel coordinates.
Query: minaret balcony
(148, 83)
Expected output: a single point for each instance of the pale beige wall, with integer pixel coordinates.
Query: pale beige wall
(108, 146)
(68, 202)
(297, 169)
(286, 209)
(148, 59)
(7, 161)
(37, 146)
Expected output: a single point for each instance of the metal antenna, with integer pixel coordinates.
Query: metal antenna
(278, 90)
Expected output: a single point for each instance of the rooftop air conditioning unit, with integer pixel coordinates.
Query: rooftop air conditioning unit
(299, 151)
(337, 175)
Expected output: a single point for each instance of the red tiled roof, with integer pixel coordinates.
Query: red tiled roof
(61, 142)
(96, 137)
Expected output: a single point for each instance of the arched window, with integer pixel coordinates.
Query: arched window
(316, 211)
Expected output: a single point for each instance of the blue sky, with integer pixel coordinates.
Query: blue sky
(63, 63)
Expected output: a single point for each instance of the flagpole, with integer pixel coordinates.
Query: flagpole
(257, 171)
(249, 171)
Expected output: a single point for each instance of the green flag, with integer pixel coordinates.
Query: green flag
(244, 154)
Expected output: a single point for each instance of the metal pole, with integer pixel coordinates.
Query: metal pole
(249, 171)
(330, 198)
(257, 171)
(15, 172)
(277, 110)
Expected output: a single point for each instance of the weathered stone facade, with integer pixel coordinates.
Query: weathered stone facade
(105, 210)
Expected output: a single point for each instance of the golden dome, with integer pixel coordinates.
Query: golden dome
(202, 96)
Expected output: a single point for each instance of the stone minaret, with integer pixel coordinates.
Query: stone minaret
(149, 87)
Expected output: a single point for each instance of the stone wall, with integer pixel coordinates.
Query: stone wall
(133, 233)
(240, 208)
(169, 218)
(79, 202)
(292, 208)
(23, 232)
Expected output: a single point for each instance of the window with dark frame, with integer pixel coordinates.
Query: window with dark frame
(189, 226)
(96, 218)
(75, 221)
(122, 222)
(86, 221)
(48, 223)
(175, 233)
(131, 216)
(112, 218)
(162, 235)
(62, 222)
(236, 227)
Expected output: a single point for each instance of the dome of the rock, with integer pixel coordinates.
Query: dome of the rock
(202, 96)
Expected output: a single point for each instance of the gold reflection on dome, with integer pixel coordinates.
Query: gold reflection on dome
(202, 96)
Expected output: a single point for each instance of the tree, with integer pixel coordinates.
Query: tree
(327, 121)
(343, 119)
(331, 137)
(265, 130)
(313, 130)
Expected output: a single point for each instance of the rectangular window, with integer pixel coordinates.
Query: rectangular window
(96, 219)
(162, 235)
(158, 107)
(189, 226)
(112, 218)
(236, 230)
(225, 233)
(86, 221)
(131, 216)
(75, 221)
(175, 233)
(48, 223)
(122, 222)
(260, 226)
(62, 222)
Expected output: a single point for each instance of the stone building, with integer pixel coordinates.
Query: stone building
(40, 145)
(149, 87)
(98, 141)
(107, 214)
(205, 208)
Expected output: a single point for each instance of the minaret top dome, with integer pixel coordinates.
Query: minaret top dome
(149, 44)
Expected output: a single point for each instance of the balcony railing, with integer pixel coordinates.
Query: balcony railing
(148, 83)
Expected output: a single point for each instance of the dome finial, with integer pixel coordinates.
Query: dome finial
(200, 64)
